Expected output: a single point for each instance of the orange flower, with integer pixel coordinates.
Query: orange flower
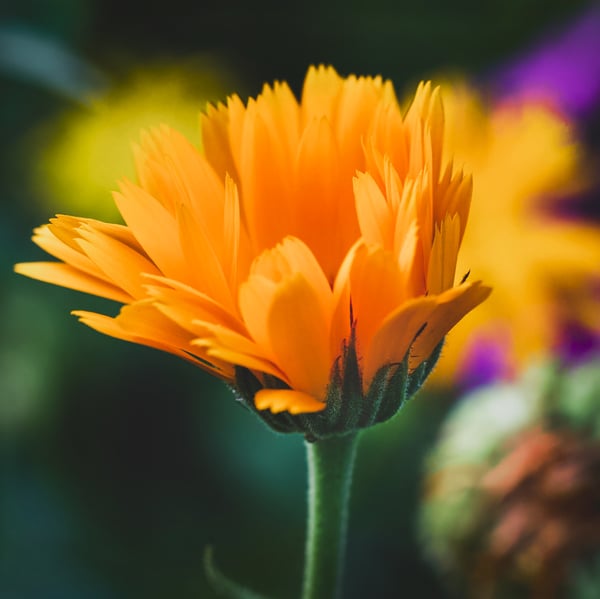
(309, 244)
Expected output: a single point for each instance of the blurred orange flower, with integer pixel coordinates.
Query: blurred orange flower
(301, 230)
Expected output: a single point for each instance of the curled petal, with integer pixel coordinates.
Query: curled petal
(287, 400)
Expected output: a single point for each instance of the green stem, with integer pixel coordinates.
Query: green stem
(330, 464)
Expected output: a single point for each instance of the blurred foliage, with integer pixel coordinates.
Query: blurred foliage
(118, 464)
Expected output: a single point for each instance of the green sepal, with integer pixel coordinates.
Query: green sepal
(348, 408)
(422, 372)
(223, 586)
(387, 393)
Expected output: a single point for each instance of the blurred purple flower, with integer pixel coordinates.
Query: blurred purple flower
(578, 342)
(578, 345)
(564, 68)
(487, 361)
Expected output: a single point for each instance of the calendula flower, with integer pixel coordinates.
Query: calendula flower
(307, 255)
(524, 157)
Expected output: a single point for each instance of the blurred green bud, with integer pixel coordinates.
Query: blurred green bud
(512, 504)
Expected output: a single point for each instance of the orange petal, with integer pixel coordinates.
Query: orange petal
(237, 255)
(50, 239)
(377, 288)
(341, 323)
(154, 227)
(229, 346)
(357, 104)
(215, 140)
(266, 178)
(322, 197)
(121, 265)
(320, 93)
(141, 323)
(394, 337)
(442, 259)
(185, 305)
(269, 270)
(279, 110)
(456, 199)
(410, 262)
(374, 214)
(67, 276)
(255, 296)
(204, 268)
(451, 307)
(287, 400)
(67, 228)
(298, 329)
(387, 137)
(236, 120)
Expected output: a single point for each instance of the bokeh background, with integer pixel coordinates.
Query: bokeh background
(118, 464)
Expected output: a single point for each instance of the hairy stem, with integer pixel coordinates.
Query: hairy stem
(330, 466)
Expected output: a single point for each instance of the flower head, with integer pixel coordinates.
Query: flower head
(307, 255)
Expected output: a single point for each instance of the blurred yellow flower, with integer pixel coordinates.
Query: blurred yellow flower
(310, 242)
(522, 157)
(82, 155)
